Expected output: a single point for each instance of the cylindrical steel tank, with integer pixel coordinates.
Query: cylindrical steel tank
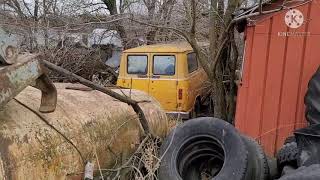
(103, 129)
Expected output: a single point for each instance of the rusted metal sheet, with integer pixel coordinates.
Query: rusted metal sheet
(102, 128)
(26, 71)
(278, 63)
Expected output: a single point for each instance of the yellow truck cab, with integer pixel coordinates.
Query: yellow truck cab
(170, 73)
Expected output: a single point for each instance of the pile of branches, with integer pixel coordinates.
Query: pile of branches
(83, 61)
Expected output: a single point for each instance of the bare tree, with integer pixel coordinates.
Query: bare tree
(33, 19)
(113, 10)
(221, 59)
(194, 20)
(162, 16)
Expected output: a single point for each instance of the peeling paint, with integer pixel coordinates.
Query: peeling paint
(25, 73)
(5, 94)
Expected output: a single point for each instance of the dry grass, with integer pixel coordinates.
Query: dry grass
(146, 161)
(142, 165)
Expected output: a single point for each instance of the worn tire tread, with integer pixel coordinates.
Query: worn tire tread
(258, 154)
(288, 155)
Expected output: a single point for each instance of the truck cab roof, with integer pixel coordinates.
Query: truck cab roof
(161, 48)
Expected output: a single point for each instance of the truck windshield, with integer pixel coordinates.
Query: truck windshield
(164, 65)
(137, 64)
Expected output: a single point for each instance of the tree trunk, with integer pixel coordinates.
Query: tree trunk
(151, 6)
(216, 66)
(112, 7)
(219, 94)
(233, 66)
(162, 17)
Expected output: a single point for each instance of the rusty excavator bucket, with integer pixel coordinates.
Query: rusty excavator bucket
(18, 71)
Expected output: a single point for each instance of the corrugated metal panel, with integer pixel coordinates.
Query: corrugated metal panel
(277, 69)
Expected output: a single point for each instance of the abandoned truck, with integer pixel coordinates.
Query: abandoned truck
(281, 55)
(168, 72)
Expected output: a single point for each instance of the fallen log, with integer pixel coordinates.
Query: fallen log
(109, 92)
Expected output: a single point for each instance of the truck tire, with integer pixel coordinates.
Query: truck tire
(258, 159)
(196, 111)
(204, 147)
(288, 155)
(290, 139)
(312, 99)
(304, 173)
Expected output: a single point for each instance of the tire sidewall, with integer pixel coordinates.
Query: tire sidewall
(234, 148)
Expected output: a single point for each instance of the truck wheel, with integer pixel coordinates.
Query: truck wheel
(290, 139)
(312, 99)
(304, 173)
(258, 159)
(204, 148)
(196, 109)
(288, 156)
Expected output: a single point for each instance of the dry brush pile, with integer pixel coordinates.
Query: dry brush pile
(85, 62)
(143, 164)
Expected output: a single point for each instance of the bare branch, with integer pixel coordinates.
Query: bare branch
(183, 33)
(193, 16)
(252, 14)
(134, 104)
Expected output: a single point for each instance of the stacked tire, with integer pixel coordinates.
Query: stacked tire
(290, 154)
(209, 148)
(304, 173)
(312, 99)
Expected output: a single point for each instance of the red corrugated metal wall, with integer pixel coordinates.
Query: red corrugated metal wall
(276, 71)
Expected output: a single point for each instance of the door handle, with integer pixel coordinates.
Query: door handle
(142, 76)
(156, 76)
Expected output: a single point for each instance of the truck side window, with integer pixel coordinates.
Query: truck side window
(164, 65)
(192, 62)
(137, 64)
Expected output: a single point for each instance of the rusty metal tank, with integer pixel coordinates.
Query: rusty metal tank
(102, 128)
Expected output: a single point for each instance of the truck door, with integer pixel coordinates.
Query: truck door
(163, 80)
(137, 72)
